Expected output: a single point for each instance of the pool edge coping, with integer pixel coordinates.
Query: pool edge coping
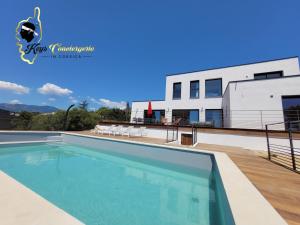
(26, 142)
(21, 205)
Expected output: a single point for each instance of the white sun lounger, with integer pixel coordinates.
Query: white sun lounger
(107, 130)
(117, 130)
(100, 129)
(142, 131)
(127, 131)
(96, 129)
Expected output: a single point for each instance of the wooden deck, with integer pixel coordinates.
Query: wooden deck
(280, 186)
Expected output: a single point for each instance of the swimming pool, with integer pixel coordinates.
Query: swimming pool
(108, 182)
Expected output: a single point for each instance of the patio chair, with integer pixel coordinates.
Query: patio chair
(164, 121)
(117, 130)
(142, 131)
(99, 129)
(127, 131)
(109, 130)
(94, 130)
(177, 122)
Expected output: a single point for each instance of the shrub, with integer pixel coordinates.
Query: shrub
(23, 121)
(80, 119)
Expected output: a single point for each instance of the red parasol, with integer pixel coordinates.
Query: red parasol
(149, 112)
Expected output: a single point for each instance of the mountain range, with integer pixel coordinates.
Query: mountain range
(29, 108)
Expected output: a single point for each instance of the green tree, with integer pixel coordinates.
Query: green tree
(83, 105)
(80, 119)
(41, 122)
(114, 114)
(127, 111)
(23, 121)
(50, 122)
(104, 113)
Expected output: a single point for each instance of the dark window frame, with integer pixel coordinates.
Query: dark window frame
(291, 114)
(152, 118)
(220, 96)
(183, 122)
(222, 118)
(194, 81)
(176, 98)
(266, 74)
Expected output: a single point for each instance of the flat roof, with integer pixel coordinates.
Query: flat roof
(223, 67)
(274, 78)
(151, 100)
(251, 80)
(245, 64)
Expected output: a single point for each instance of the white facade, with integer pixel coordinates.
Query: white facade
(240, 92)
(253, 104)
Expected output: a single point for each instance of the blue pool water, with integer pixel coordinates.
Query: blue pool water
(100, 188)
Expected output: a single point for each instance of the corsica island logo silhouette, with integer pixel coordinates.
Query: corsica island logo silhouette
(29, 35)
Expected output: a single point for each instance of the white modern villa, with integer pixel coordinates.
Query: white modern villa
(241, 96)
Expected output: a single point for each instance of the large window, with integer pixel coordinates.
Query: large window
(269, 75)
(176, 90)
(187, 116)
(215, 116)
(194, 89)
(291, 111)
(156, 117)
(213, 88)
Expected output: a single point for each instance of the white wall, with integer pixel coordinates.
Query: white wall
(247, 142)
(12, 136)
(260, 95)
(244, 72)
(226, 109)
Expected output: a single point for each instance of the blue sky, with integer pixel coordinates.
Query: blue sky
(137, 43)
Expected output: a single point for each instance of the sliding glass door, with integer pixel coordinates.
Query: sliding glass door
(215, 116)
(187, 116)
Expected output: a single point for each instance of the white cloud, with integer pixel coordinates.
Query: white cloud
(51, 99)
(73, 100)
(52, 89)
(15, 101)
(16, 88)
(108, 103)
(111, 104)
(93, 100)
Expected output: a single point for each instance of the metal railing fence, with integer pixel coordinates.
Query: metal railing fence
(284, 151)
(244, 119)
(257, 119)
(172, 133)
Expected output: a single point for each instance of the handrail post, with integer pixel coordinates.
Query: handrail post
(261, 119)
(268, 143)
(167, 134)
(292, 148)
(193, 134)
(173, 130)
